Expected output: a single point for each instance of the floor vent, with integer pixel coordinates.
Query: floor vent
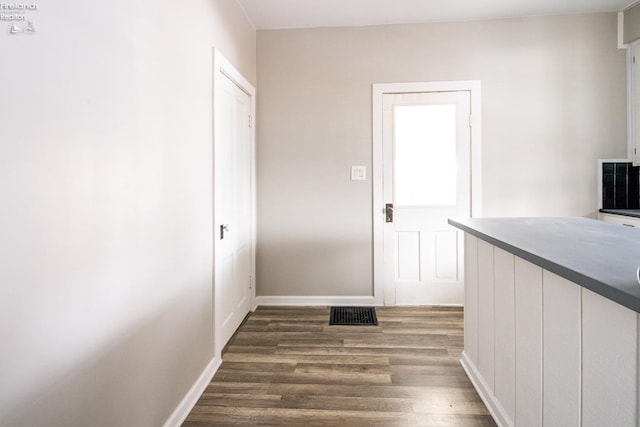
(353, 316)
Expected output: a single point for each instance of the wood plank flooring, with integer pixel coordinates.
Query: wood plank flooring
(287, 366)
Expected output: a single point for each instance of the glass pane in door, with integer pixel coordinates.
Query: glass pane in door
(425, 155)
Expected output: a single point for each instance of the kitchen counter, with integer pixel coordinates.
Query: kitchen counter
(599, 256)
(552, 320)
(626, 212)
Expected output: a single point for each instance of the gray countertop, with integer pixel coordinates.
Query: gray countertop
(599, 256)
(626, 212)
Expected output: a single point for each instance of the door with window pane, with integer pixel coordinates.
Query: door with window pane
(427, 179)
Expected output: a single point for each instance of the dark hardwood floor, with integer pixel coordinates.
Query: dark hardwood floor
(287, 366)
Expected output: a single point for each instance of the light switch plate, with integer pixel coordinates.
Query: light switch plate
(358, 173)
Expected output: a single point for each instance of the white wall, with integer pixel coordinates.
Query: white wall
(553, 99)
(106, 223)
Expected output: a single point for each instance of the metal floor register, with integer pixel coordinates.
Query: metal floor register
(353, 316)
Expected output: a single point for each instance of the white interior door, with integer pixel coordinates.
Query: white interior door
(233, 198)
(427, 179)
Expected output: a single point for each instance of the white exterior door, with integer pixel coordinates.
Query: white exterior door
(426, 180)
(233, 199)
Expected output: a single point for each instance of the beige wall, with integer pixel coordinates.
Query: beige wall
(106, 189)
(632, 24)
(553, 100)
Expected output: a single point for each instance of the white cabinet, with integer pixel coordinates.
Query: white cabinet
(628, 221)
(542, 350)
(633, 102)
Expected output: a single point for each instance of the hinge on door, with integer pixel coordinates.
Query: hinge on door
(250, 282)
(249, 120)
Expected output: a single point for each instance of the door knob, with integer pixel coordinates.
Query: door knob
(388, 211)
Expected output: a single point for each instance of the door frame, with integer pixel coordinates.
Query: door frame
(378, 91)
(222, 68)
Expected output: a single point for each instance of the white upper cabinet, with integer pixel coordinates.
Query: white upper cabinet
(634, 102)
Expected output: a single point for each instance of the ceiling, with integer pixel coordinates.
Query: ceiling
(273, 14)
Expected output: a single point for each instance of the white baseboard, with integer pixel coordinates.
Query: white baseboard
(497, 411)
(314, 301)
(191, 398)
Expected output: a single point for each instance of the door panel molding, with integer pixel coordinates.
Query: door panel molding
(378, 91)
(408, 248)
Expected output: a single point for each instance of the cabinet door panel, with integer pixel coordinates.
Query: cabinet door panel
(528, 339)
(627, 221)
(504, 331)
(471, 298)
(561, 390)
(609, 362)
(634, 102)
(485, 312)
